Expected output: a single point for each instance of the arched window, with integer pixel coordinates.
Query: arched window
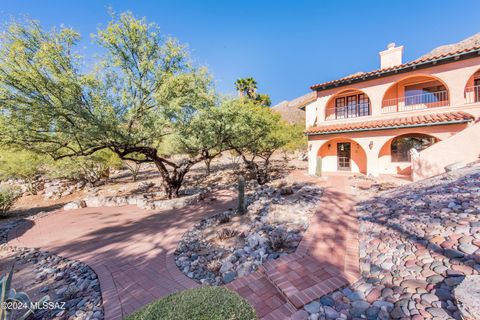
(401, 145)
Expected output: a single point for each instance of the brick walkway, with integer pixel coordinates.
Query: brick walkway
(131, 250)
(326, 259)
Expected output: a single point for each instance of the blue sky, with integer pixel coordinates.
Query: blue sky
(286, 45)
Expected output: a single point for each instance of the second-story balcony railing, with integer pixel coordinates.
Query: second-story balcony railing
(472, 94)
(349, 111)
(416, 102)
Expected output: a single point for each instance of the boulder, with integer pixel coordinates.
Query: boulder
(95, 202)
(226, 266)
(467, 297)
(454, 166)
(75, 205)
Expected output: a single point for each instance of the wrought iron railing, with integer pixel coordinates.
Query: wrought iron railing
(349, 111)
(472, 94)
(416, 102)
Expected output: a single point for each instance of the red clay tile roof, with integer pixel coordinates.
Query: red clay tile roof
(422, 60)
(394, 123)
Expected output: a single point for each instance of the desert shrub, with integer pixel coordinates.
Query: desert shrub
(223, 218)
(214, 265)
(133, 167)
(8, 195)
(90, 169)
(278, 239)
(23, 165)
(226, 233)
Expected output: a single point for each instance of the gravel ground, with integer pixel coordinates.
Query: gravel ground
(273, 226)
(417, 243)
(71, 285)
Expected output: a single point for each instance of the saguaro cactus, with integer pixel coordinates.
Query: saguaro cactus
(241, 195)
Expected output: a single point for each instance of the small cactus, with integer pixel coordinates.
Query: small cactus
(241, 195)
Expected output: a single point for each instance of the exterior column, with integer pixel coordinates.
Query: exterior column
(312, 157)
(372, 159)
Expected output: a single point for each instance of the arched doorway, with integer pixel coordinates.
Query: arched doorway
(341, 154)
(349, 103)
(395, 154)
(472, 88)
(415, 93)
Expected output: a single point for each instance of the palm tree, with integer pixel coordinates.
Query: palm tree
(246, 87)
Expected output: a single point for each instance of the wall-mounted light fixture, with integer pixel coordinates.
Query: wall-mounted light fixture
(329, 146)
(370, 145)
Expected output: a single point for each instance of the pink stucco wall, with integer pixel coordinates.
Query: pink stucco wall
(375, 155)
(376, 144)
(463, 147)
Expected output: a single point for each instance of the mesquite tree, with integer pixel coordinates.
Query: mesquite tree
(255, 133)
(141, 90)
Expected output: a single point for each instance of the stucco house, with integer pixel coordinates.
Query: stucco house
(410, 118)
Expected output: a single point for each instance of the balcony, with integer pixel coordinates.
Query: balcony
(421, 101)
(349, 111)
(472, 94)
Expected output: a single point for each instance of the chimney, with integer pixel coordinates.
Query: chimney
(391, 57)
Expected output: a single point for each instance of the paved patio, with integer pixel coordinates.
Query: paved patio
(326, 259)
(131, 250)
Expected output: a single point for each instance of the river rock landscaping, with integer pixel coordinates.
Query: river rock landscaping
(70, 284)
(417, 244)
(229, 245)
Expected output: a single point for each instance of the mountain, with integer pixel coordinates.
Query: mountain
(470, 42)
(292, 111)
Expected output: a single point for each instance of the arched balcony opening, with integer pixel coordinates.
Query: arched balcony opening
(472, 88)
(395, 154)
(348, 104)
(415, 93)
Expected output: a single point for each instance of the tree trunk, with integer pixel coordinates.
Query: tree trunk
(260, 174)
(207, 164)
(173, 176)
(172, 181)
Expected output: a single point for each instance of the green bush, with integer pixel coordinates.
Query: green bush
(297, 139)
(24, 165)
(204, 303)
(90, 169)
(8, 195)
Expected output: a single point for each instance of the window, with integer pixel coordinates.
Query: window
(401, 146)
(363, 105)
(352, 106)
(340, 108)
(476, 89)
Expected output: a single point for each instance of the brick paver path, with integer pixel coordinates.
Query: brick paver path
(326, 259)
(130, 249)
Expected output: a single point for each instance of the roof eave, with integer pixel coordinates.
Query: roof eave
(390, 127)
(421, 65)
